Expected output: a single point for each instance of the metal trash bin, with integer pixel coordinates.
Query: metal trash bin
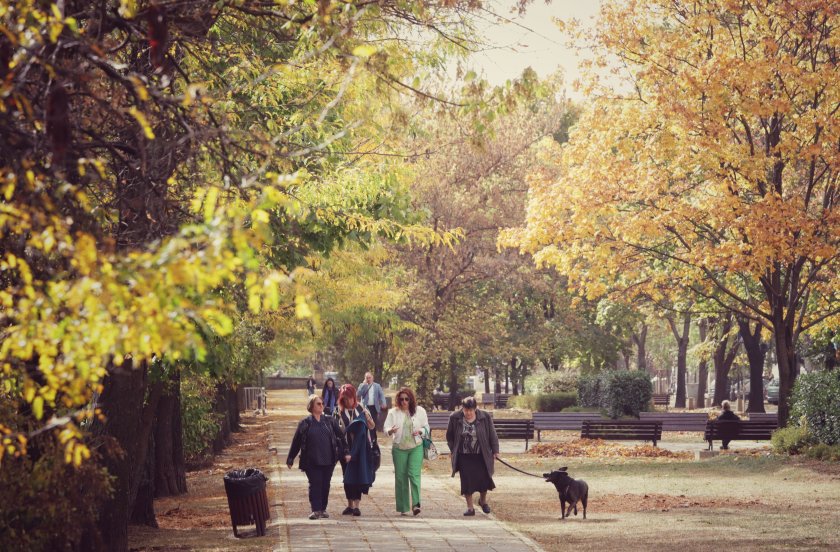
(247, 500)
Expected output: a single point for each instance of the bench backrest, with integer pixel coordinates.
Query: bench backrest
(750, 430)
(678, 421)
(764, 416)
(571, 421)
(514, 429)
(438, 420)
(660, 399)
(498, 400)
(622, 429)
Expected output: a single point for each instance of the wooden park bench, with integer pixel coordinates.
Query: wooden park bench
(438, 420)
(562, 421)
(678, 421)
(661, 399)
(622, 430)
(441, 400)
(738, 430)
(498, 400)
(515, 429)
(764, 417)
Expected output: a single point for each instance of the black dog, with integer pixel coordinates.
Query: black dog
(570, 490)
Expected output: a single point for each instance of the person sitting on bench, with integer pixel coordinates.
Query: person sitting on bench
(726, 414)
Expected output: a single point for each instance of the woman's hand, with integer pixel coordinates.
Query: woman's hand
(347, 457)
(496, 455)
(392, 430)
(289, 465)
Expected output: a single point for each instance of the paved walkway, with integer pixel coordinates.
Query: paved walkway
(440, 527)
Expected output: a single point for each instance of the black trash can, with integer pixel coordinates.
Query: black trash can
(248, 503)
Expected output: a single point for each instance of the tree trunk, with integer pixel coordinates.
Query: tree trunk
(702, 367)
(220, 407)
(786, 357)
(170, 476)
(682, 355)
(515, 374)
(640, 339)
(379, 349)
(723, 357)
(507, 380)
(756, 351)
(486, 380)
(129, 423)
(497, 382)
(143, 512)
(453, 381)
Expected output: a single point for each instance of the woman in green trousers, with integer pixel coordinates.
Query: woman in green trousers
(407, 424)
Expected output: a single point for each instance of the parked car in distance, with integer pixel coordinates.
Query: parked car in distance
(773, 392)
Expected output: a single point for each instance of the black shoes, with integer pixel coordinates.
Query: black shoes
(416, 509)
(469, 512)
(347, 511)
(485, 508)
(357, 512)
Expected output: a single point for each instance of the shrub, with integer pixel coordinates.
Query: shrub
(544, 402)
(619, 392)
(815, 399)
(626, 392)
(555, 402)
(47, 503)
(792, 440)
(589, 390)
(821, 451)
(200, 422)
(559, 382)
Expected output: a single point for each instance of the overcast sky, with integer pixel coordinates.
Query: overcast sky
(533, 40)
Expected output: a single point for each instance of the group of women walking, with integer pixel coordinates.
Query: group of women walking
(344, 432)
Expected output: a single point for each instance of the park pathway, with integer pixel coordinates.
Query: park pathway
(440, 527)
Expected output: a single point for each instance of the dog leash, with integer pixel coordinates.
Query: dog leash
(517, 469)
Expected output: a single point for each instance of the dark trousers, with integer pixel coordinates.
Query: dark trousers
(319, 486)
(374, 413)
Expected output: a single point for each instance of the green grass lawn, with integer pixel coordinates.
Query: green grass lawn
(742, 502)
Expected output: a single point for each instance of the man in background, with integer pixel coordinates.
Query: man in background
(371, 396)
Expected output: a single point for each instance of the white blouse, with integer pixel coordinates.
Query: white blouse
(419, 422)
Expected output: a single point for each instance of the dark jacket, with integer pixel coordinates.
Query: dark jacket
(728, 415)
(485, 432)
(339, 444)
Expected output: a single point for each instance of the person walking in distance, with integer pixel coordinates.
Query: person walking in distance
(372, 397)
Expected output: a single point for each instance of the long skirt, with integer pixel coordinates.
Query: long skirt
(474, 476)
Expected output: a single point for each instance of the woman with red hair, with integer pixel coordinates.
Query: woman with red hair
(407, 423)
(359, 472)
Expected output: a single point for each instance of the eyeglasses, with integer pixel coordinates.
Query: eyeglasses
(402, 399)
(319, 403)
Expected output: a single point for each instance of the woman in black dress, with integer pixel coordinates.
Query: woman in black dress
(474, 447)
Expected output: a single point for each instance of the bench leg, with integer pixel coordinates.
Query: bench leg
(538, 436)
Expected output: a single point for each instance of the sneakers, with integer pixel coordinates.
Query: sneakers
(357, 512)
(485, 508)
(315, 515)
(469, 512)
(347, 511)
(323, 514)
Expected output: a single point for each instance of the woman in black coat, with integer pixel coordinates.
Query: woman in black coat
(321, 444)
(473, 447)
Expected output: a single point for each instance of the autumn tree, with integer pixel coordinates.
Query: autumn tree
(159, 161)
(712, 167)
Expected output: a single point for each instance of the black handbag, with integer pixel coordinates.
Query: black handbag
(375, 454)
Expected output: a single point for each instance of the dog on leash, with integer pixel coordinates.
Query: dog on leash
(571, 491)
